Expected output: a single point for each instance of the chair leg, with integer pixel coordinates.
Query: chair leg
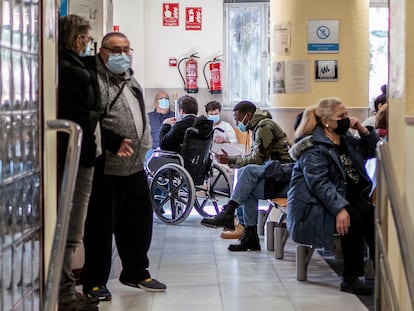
(270, 226)
(280, 237)
(261, 222)
(303, 256)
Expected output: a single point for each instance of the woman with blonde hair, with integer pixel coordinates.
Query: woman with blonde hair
(329, 189)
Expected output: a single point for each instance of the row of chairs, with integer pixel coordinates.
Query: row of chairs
(277, 236)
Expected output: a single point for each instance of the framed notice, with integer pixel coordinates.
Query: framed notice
(326, 70)
(192, 18)
(170, 14)
(323, 36)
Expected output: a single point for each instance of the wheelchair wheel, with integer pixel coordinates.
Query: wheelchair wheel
(172, 193)
(218, 192)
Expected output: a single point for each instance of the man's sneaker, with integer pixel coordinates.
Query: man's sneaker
(355, 286)
(149, 285)
(100, 292)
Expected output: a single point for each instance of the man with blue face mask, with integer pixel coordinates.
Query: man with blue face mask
(213, 110)
(269, 142)
(120, 201)
(158, 115)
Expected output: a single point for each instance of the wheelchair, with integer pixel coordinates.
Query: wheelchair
(180, 181)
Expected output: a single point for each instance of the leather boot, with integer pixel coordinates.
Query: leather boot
(248, 241)
(223, 219)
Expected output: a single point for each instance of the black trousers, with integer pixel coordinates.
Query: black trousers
(361, 230)
(119, 205)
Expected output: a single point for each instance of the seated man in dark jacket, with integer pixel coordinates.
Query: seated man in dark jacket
(172, 131)
(257, 182)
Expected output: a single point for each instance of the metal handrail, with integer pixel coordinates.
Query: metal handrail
(388, 189)
(64, 207)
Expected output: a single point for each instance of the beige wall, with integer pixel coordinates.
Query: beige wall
(49, 87)
(353, 56)
(400, 134)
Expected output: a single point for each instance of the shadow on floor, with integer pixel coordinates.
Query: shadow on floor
(336, 265)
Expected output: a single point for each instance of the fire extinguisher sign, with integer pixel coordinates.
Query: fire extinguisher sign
(170, 14)
(192, 18)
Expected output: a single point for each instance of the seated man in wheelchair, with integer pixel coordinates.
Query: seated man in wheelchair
(173, 129)
(184, 167)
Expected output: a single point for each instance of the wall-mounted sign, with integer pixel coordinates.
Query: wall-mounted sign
(326, 70)
(323, 36)
(297, 76)
(192, 18)
(170, 14)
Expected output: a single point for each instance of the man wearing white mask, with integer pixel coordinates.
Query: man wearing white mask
(120, 201)
(161, 112)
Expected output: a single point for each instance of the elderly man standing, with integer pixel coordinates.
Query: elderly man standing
(121, 203)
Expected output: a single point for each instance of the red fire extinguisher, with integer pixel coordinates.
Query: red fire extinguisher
(191, 73)
(214, 87)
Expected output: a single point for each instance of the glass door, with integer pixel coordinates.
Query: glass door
(20, 178)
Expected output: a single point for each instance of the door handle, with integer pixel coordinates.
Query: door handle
(64, 207)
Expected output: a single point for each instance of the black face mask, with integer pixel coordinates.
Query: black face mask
(343, 126)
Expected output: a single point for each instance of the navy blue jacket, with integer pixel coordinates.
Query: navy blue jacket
(318, 185)
(156, 119)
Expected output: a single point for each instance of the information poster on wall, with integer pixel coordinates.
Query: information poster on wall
(170, 14)
(298, 76)
(87, 9)
(193, 18)
(279, 77)
(323, 36)
(281, 38)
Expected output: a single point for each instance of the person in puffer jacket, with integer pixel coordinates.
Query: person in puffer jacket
(329, 189)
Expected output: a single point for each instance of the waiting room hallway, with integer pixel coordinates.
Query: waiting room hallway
(201, 275)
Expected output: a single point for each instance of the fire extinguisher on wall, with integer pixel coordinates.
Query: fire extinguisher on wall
(214, 87)
(191, 73)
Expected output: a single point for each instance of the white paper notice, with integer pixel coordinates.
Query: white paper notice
(298, 76)
(281, 38)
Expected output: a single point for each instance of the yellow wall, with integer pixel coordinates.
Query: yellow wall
(353, 56)
(400, 134)
(49, 86)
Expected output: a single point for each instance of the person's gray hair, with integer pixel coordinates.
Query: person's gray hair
(70, 27)
(110, 35)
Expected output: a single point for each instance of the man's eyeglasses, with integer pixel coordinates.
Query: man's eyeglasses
(119, 51)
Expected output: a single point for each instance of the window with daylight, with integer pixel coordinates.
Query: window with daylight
(378, 50)
(246, 50)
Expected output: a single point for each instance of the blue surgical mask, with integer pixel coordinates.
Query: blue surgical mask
(214, 117)
(118, 63)
(242, 127)
(164, 103)
(87, 51)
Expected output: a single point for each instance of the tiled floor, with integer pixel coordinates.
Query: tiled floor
(202, 275)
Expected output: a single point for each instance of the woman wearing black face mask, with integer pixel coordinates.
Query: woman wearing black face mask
(329, 189)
